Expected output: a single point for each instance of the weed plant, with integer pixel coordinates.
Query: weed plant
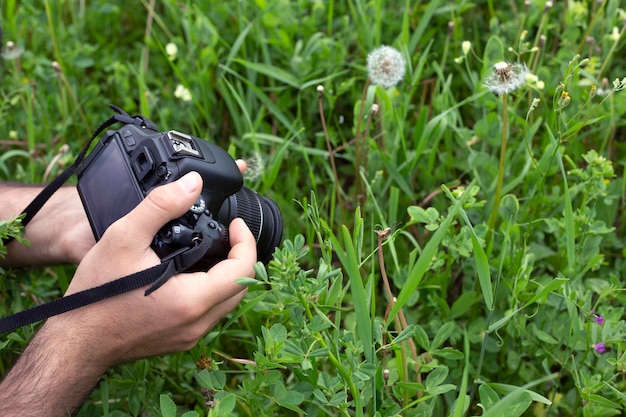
(454, 238)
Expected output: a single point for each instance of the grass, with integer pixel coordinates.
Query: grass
(491, 304)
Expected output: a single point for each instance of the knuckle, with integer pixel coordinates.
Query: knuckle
(188, 311)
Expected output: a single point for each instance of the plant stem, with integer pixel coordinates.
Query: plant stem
(331, 156)
(358, 146)
(400, 319)
(496, 203)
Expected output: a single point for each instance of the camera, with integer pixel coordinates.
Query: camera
(129, 162)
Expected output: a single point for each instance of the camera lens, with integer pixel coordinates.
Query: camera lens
(260, 214)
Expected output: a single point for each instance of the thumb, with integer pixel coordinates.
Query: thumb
(163, 204)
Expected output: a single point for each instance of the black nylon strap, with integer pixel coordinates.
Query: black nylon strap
(158, 274)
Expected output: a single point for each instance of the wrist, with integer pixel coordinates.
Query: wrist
(59, 233)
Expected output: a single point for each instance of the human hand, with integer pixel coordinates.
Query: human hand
(174, 317)
(72, 350)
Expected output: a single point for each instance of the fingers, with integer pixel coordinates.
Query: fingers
(220, 282)
(242, 165)
(161, 205)
(242, 242)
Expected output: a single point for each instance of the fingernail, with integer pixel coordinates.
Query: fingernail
(189, 182)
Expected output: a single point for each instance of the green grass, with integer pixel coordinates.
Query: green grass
(484, 320)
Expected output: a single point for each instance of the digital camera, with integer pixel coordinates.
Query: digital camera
(129, 162)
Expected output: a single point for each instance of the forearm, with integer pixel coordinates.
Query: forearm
(52, 232)
(53, 376)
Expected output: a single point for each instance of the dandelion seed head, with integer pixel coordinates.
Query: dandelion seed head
(386, 66)
(320, 89)
(506, 78)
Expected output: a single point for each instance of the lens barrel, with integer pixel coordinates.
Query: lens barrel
(262, 216)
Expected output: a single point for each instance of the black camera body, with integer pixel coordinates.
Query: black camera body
(127, 163)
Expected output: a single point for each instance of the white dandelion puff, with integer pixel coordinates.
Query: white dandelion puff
(506, 78)
(386, 66)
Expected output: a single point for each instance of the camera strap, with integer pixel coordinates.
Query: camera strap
(157, 275)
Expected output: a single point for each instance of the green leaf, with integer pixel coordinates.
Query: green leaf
(168, 406)
(419, 215)
(545, 337)
(247, 281)
(604, 402)
(443, 334)
(271, 71)
(435, 378)
(225, 404)
(351, 264)
(213, 380)
(488, 397)
(462, 400)
(405, 334)
(421, 337)
(506, 389)
(463, 304)
(448, 353)
(511, 405)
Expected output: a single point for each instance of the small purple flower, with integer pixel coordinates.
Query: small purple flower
(599, 347)
(599, 319)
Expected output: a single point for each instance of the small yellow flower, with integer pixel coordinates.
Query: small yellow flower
(564, 100)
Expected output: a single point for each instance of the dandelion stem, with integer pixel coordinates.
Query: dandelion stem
(496, 203)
